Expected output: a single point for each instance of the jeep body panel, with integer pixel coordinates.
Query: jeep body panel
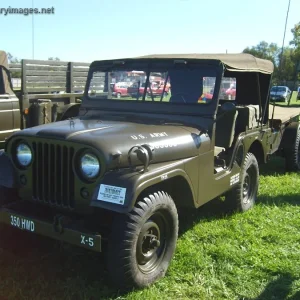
(192, 150)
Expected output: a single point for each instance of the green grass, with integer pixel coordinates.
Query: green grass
(255, 255)
(294, 102)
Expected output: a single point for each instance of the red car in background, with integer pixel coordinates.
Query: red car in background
(157, 89)
(119, 89)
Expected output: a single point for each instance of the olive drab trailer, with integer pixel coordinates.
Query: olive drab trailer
(117, 173)
(50, 91)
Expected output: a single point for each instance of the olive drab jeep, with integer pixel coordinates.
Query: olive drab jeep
(113, 178)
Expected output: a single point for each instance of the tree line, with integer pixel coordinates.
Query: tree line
(286, 60)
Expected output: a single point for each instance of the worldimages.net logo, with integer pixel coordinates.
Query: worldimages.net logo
(26, 11)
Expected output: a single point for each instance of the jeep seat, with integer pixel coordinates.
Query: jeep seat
(225, 129)
(248, 118)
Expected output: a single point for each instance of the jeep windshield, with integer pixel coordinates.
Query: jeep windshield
(170, 84)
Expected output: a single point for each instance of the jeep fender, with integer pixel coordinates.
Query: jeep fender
(133, 184)
(289, 136)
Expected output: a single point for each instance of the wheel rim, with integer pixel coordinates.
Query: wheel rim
(152, 242)
(248, 186)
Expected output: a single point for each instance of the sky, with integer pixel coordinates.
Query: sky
(85, 31)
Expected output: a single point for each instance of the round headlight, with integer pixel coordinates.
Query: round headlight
(89, 165)
(24, 155)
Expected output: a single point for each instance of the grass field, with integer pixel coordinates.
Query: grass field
(293, 101)
(255, 255)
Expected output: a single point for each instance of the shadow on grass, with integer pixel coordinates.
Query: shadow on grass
(276, 166)
(279, 289)
(32, 256)
(64, 268)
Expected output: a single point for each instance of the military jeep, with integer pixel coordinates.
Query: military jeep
(113, 178)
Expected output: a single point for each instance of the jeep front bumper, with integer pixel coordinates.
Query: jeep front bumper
(60, 229)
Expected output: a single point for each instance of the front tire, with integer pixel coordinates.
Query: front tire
(142, 242)
(292, 156)
(243, 196)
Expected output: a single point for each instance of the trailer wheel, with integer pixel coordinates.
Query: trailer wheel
(142, 242)
(243, 196)
(292, 156)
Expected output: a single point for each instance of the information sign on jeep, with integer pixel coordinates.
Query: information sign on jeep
(116, 174)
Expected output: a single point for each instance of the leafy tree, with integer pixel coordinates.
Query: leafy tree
(296, 36)
(295, 43)
(267, 51)
(286, 70)
(287, 64)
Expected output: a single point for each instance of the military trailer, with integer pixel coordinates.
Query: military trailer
(113, 178)
(50, 91)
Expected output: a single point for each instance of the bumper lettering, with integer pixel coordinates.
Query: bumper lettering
(21, 223)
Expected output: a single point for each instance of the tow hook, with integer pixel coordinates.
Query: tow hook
(59, 223)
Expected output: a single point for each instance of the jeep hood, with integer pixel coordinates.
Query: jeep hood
(169, 142)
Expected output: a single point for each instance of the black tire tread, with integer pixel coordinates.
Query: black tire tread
(233, 197)
(291, 157)
(119, 262)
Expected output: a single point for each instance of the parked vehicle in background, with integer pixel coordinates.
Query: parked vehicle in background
(113, 178)
(119, 89)
(280, 93)
(155, 89)
(227, 90)
(50, 91)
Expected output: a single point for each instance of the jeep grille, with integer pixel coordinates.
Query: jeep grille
(53, 177)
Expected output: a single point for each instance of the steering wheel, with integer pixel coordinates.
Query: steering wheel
(179, 94)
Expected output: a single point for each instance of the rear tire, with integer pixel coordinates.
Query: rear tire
(243, 196)
(142, 242)
(292, 156)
